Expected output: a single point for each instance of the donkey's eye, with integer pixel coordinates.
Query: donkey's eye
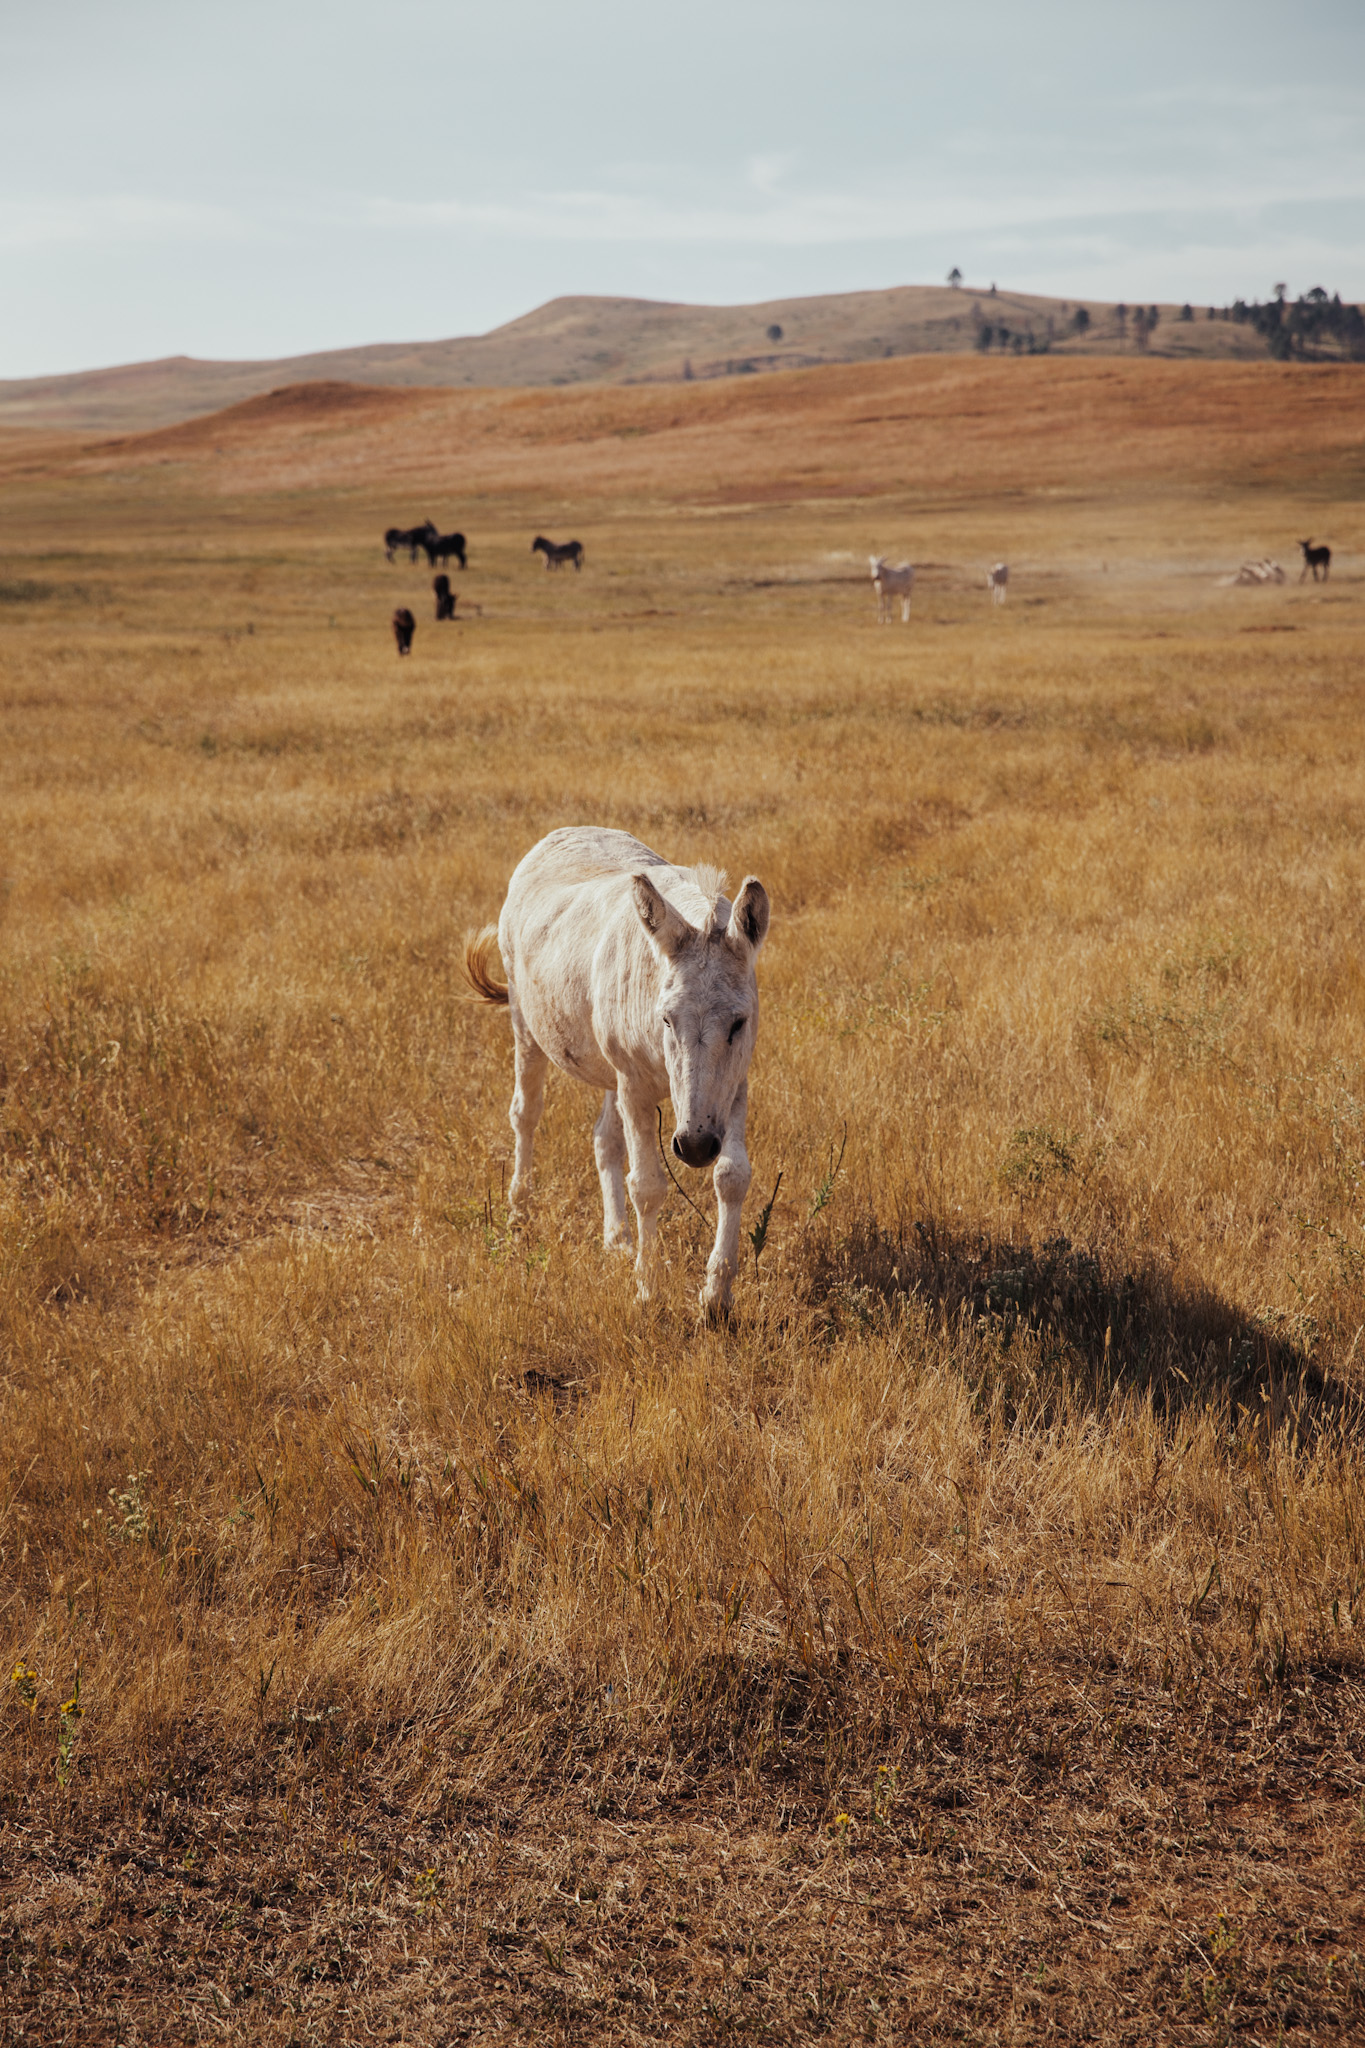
(668, 1024)
(737, 1027)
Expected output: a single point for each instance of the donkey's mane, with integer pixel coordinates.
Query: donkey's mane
(711, 882)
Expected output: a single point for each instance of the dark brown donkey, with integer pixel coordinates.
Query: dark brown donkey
(557, 553)
(1315, 559)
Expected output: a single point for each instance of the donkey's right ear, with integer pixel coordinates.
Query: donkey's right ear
(669, 932)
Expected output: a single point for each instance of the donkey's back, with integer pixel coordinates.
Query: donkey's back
(584, 976)
(586, 873)
(579, 854)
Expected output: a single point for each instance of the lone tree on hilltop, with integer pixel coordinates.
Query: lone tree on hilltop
(774, 332)
(1187, 312)
(955, 278)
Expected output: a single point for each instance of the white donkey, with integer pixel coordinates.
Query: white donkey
(998, 582)
(636, 977)
(892, 583)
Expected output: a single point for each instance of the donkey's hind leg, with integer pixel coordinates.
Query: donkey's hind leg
(528, 1103)
(609, 1149)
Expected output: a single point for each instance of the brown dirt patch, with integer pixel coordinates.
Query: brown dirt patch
(1058, 1867)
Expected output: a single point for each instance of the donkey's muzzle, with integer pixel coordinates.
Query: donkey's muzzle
(695, 1151)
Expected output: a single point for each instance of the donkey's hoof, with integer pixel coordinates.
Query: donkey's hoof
(716, 1309)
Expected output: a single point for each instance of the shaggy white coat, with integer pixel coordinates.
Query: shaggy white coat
(636, 977)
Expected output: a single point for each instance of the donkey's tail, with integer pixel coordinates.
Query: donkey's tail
(485, 984)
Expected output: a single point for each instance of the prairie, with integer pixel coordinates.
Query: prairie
(409, 1632)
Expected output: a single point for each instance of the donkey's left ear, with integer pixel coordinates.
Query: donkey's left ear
(749, 915)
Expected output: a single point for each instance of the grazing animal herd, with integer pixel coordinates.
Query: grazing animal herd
(437, 546)
(898, 581)
(893, 582)
(441, 547)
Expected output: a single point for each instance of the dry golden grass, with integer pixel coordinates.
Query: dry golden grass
(964, 1644)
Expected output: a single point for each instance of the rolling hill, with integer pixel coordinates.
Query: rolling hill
(584, 340)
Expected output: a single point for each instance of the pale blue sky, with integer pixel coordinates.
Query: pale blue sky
(264, 177)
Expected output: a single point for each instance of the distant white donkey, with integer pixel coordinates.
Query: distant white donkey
(892, 583)
(997, 582)
(636, 977)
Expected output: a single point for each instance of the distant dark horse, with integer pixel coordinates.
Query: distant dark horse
(404, 626)
(445, 597)
(409, 537)
(441, 546)
(1315, 559)
(557, 555)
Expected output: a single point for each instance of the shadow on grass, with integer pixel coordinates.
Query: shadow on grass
(1095, 1325)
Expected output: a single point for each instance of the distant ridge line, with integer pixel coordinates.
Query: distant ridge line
(590, 340)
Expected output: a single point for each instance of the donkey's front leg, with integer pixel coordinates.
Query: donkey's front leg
(647, 1182)
(732, 1176)
(609, 1146)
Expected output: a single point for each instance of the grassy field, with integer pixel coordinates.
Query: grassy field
(414, 1638)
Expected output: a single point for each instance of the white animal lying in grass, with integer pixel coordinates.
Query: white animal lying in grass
(892, 583)
(635, 977)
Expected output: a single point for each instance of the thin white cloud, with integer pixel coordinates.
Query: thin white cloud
(767, 172)
(1294, 101)
(792, 220)
(114, 217)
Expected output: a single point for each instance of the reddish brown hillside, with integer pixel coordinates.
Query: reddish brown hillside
(939, 426)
